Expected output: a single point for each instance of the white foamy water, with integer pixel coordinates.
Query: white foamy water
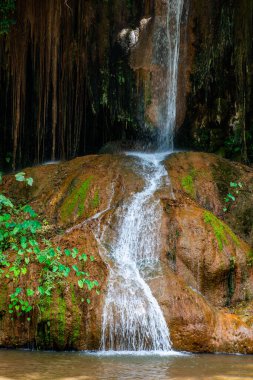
(132, 318)
(174, 15)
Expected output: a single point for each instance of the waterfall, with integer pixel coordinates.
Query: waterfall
(132, 317)
(174, 15)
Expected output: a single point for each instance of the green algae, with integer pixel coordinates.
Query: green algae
(76, 317)
(61, 314)
(187, 183)
(44, 333)
(96, 200)
(220, 229)
(75, 201)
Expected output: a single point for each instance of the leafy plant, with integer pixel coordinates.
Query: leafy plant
(231, 196)
(21, 249)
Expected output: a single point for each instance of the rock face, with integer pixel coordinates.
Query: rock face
(206, 286)
(219, 112)
(149, 58)
(79, 76)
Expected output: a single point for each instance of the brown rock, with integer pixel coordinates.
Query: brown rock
(205, 286)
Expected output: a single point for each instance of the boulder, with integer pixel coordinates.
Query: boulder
(205, 285)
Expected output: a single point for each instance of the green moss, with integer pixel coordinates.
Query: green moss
(61, 308)
(96, 199)
(187, 183)
(45, 307)
(76, 317)
(75, 202)
(52, 325)
(220, 229)
(43, 334)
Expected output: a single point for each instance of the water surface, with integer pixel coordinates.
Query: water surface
(27, 365)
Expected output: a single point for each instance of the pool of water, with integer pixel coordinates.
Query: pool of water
(27, 365)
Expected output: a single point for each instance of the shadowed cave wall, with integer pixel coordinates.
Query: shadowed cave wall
(66, 87)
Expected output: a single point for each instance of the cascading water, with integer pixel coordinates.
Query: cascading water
(132, 317)
(174, 16)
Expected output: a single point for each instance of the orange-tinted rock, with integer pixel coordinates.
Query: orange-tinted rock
(205, 286)
(210, 178)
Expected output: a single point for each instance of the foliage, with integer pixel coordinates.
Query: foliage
(231, 196)
(7, 8)
(21, 250)
(220, 229)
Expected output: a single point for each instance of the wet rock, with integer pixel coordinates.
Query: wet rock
(205, 285)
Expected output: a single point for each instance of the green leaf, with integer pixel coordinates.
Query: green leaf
(29, 181)
(75, 268)
(66, 271)
(88, 301)
(92, 258)
(80, 283)
(5, 218)
(18, 291)
(74, 253)
(231, 197)
(5, 201)
(67, 252)
(23, 242)
(83, 257)
(29, 292)
(61, 267)
(20, 177)
(28, 209)
(41, 290)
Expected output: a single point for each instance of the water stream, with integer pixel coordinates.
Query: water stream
(132, 317)
(174, 16)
